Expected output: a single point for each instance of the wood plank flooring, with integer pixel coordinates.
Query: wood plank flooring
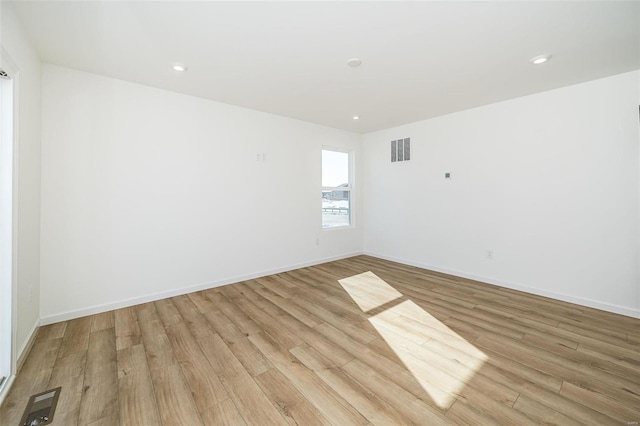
(353, 342)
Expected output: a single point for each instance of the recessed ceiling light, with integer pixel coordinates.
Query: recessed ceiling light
(354, 62)
(356, 117)
(179, 67)
(540, 59)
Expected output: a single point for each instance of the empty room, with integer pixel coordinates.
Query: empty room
(331, 213)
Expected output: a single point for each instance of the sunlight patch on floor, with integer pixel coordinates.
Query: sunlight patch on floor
(365, 289)
(410, 331)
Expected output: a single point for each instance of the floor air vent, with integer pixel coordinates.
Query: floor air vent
(40, 408)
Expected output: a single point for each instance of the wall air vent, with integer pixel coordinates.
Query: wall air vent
(401, 150)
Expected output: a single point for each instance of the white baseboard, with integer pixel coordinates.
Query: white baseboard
(622, 310)
(184, 290)
(21, 356)
(65, 316)
(26, 346)
(6, 387)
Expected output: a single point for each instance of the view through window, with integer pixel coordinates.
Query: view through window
(336, 188)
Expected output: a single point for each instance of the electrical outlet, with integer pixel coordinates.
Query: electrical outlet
(489, 254)
(317, 241)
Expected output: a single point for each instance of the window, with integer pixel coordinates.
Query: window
(336, 188)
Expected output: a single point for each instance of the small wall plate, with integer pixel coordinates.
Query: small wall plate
(41, 408)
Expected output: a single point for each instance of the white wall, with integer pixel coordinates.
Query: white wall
(148, 193)
(22, 55)
(548, 182)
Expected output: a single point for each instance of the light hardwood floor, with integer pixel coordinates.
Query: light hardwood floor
(357, 341)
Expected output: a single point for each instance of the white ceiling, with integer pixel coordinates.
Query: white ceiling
(420, 59)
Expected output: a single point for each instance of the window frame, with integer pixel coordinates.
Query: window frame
(349, 188)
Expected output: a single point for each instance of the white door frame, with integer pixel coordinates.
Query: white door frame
(9, 215)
